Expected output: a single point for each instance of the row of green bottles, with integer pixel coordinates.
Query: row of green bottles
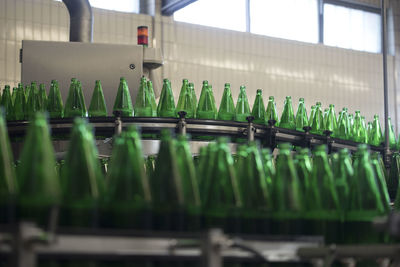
(248, 192)
(345, 126)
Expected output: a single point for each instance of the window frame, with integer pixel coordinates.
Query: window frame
(343, 3)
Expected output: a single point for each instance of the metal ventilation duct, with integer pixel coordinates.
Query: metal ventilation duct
(81, 20)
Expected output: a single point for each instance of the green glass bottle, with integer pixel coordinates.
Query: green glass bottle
(27, 91)
(33, 103)
(194, 99)
(365, 201)
(325, 114)
(226, 107)
(325, 208)
(394, 174)
(8, 182)
(198, 161)
(269, 165)
(205, 168)
(317, 124)
(364, 133)
(39, 188)
(287, 197)
(379, 171)
(127, 201)
(392, 136)
(97, 107)
(221, 197)
(206, 107)
(350, 123)
(369, 129)
(343, 173)
(81, 96)
(123, 101)
(258, 111)
(331, 121)
(166, 104)
(7, 103)
(14, 94)
(242, 105)
(357, 128)
(214, 105)
(152, 99)
(312, 113)
(301, 116)
(143, 107)
(255, 190)
(185, 102)
(42, 97)
(271, 112)
(54, 101)
(150, 165)
(375, 138)
(303, 166)
(190, 185)
(73, 105)
(393, 180)
(19, 108)
(342, 125)
(167, 188)
(287, 118)
(81, 179)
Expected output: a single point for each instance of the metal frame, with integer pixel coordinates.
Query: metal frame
(25, 242)
(268, 135)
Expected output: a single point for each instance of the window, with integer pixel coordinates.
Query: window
(289, 19)
(352, 28)
(340, 23)
(225, 14)
(131, 6)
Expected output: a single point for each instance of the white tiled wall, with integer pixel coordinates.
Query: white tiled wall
(280, 67)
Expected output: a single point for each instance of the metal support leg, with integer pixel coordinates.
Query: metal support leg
(24, 255)
(211, 248)
(182, 123)
(250, 129)
(307, 137)
(387, 152)
(328, 140)
(271, 133)
(118, 122)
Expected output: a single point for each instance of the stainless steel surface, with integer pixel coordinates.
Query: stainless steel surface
(214, 245)
(152, 58)
(81, 20)
(43, 61)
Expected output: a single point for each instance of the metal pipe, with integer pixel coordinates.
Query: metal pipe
(385, 83)
(81, 20)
